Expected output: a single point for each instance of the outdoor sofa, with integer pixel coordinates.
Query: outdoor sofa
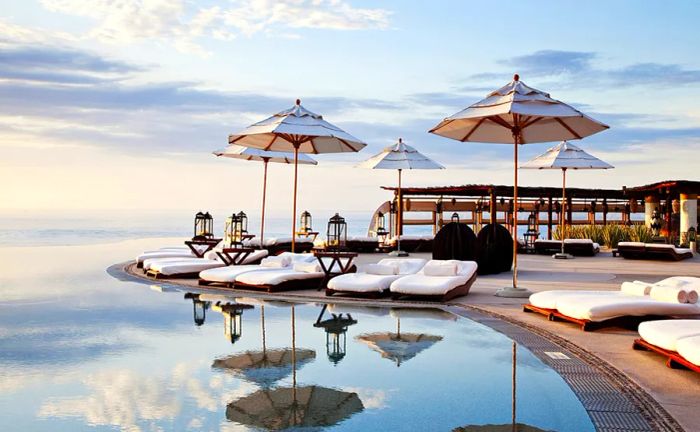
(652, 251)
(373, 280)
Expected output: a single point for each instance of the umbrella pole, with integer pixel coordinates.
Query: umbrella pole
(262, 326)
(513, 405)
(562, 254)
(294, 215)
(262, 220)
(399, 223)
(294, 358)
(514, 291)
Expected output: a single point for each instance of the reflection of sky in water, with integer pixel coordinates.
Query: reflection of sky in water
(78, 348)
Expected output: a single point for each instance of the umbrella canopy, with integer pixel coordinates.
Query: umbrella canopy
(300, 131)
(284, 408)
(565, 156)
(400, 157)
(399, 347)
(517, 114)
(264, 367)
(252, 154)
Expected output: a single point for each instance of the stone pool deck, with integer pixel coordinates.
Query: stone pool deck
(608, 350)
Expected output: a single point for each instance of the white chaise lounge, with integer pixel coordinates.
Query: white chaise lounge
(636, 301)
(438, 281)
(678, 340)
(373, 280)
(166, 252)
(226, 276)
(191, 267)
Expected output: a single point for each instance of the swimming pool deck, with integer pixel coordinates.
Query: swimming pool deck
(676, 391)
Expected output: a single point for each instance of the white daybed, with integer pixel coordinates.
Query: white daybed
(185, 268)
(439, 280)
(226, 276)
(678, 340)
(591, 308)
(374, 279)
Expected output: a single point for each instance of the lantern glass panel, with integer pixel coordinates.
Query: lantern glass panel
(380, 224)
(203, 225)
(199, 311)
(243, 222)
(337, 232)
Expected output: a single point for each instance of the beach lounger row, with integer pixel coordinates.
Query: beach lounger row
(436, 280)
(677, 340)
(652, 251)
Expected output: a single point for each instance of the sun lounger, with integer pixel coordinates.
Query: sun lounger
(188, 268)
(652, 251)
(678, 340)
(593, 309)
(226, 276)
(164, 253)
(576, 247)
(362, 244)
(437, 281)
(374, 280)
(306, 275)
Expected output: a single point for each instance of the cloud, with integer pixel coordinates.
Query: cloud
(567, 68)
(183, 24)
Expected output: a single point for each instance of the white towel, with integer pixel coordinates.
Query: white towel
(637, 288)
(435, 268)
(310, 267)
(692, 296)
(669, 294)
(276, 262)
(381, 269)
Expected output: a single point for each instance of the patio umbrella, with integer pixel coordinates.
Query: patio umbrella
(297, 130)
(517, 114)
(265, 367)
(400, 157)
(565, 156)
(399, 347)
(252, 154)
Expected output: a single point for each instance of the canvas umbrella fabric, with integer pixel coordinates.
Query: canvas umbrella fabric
(517, 114)
(297, 130)
(400, 157)
(252, 154)
(399, 347)
(565, 156)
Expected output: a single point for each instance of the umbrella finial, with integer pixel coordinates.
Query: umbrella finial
(298, 102)
(516, 77)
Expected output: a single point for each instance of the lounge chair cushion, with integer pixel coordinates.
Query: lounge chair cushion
(228, 274)
(689, 348)
(275, 277)
(549, 299)
(440, 268)
(668, 246)
(637, 288)
(164, 254)
(309, 267)
(631, 244)
(601, 308)
(363, 282)
(381, 269)
(195, 265)
(666, 333)
(422, 284)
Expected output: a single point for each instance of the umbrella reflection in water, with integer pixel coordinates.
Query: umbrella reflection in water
(294, 407)
(264, 367)
(399, 347)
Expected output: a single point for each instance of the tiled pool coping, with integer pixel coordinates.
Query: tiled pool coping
(612, 400)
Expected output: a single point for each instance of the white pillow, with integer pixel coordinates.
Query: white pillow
(381, 269)
(309, 267)
(276, 262)
(436, 268)
(637, 288)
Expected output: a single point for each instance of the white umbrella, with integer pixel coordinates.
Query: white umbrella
(565, 156)
(400, 157)
(251, 154)
(517, 114)
(297, 130)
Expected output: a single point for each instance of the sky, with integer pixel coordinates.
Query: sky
(118, 104)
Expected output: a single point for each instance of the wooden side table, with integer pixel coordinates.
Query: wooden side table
(234, 256)
(307, 234)
(200, 247)
(341, 260)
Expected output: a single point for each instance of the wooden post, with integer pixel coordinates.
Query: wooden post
(492, 208)
(549, 218)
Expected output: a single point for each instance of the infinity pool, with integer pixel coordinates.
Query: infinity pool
(81, 350)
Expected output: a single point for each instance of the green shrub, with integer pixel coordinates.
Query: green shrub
(640, 233)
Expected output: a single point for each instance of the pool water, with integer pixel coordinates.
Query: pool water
(81, 350)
